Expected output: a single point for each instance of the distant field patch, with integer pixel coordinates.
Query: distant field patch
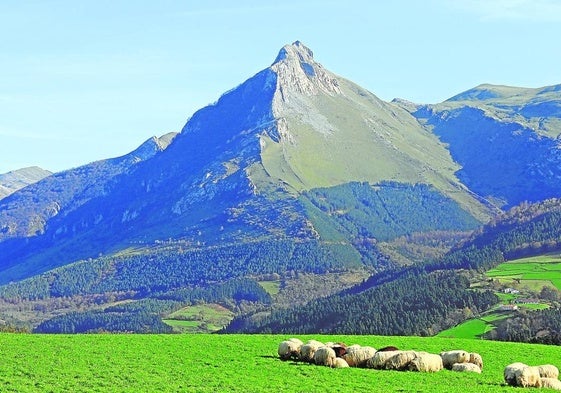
(200, 318)
(532, 273)
(474, 328)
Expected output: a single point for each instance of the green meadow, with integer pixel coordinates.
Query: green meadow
(531, 273)
(235, 363)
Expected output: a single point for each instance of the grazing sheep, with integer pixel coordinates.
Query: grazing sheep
(388, 348)
(378, 361)
(510, 372)
(308, 350)
(426, 362)
(528, 377)
(476, 359)
(340, 350)
(451, 357)
(325, 356)
(289, 349)
(548, 371)
(358, 356)
(400, 361)
(340, 363)
(466, 367)
(551, 383)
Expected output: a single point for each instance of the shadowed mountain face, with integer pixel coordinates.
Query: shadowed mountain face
(506, 140)
(262, 164)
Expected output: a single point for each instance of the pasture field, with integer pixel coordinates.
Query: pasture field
(235, 363)
(533, 273)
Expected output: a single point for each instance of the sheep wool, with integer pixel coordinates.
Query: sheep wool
(340, 363)
(400, 360)
(510, 372)
(378, 361)
(476, 358)
(528, 377)
(289, 349)
(466, 367)
(426, 362)
(325, 356)
(548, 371)
(451, 357)
(308, 350)
(357, 357)
(551, 383)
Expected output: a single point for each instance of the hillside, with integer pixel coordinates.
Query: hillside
(12, 181)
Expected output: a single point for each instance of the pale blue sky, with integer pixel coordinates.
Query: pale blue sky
(88, 80)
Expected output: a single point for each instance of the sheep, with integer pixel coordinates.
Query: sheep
(358, 356)
(469, 367)
(548, 371)
(476, 359)
(308, 350)
(340, 363)
(400, 360)
(528, 377)
(340, 350)
(510, 372)
(451, 357)
(325, 356)
(426, 362)
(388, 348)
(551, 383)
(379, 359)
(289, 349)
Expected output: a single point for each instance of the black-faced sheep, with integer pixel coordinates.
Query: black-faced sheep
(466, 367)
(426, 362)
(289, 349)
(551, 383)
(451, 357)
(325, 356)
(358, 356)
(548, 371)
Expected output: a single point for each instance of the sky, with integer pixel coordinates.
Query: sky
(87, 80)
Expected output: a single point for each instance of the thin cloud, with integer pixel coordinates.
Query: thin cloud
(513, 10)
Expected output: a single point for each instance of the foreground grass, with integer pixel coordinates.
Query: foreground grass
(234, 363)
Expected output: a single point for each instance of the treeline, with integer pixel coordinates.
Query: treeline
(145, 315)
(384, 211)
(166, 268)
(539, 326)
(522, 231)
(409, 302)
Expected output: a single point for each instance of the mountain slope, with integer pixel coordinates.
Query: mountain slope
(15, 180)
(506, 140)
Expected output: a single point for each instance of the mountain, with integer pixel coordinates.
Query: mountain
(14, 180)
(506, 140)
(295, 170)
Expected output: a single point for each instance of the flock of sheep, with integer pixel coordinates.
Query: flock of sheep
(338, 355)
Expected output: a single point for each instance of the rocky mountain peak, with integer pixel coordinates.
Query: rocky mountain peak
(297, 71)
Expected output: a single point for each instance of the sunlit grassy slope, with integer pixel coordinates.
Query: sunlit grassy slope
(234, 363)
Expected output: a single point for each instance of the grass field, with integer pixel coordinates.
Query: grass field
(533, 273)
(204, 318)
(235, 363)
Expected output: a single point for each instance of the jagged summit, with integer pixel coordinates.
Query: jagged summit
(297, 71)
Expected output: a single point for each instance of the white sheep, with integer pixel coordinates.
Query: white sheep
(400, 360)
(510, 372)
(308, 350)
(451, 357)
(548, 371)
(325, 356)
(340, 363)
(426, 362)
(358, 356)
(476, 358)
(289, 348)
(378, 361)
(551, 383)
(528, 377)
(466, 367)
